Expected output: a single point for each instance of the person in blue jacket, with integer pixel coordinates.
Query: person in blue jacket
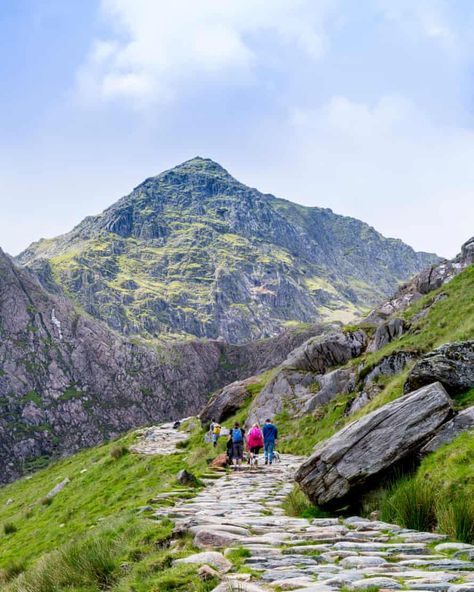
(270, 437)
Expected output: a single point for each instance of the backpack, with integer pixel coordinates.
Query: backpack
(217, 429)
(237, 435)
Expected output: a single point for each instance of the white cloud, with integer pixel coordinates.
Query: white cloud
(387, 163)
(156, 45)
(428, 17)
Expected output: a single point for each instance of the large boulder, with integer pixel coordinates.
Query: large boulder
(319, 354)
(364, 450)
(227, 401)
(461, 422)
(451, 364)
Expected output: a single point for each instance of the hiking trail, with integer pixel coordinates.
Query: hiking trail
(243, 509)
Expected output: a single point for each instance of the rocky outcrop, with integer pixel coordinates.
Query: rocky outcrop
(303, 381)
(451, 364)
(386, 332)
(227, 401)
(426, 281)
(193, 251)
(390, 365)
(461, 422)
(319, 354)
(364, 450)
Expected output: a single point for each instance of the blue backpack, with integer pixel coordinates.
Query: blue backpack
(237, 435)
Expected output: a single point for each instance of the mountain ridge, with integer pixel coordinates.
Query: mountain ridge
(192, 251)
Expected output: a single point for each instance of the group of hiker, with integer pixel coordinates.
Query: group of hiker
(238, 441)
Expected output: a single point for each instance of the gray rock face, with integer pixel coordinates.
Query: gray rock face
(451, 364)
(227, 401)
(319, 354)
(367, 448)
(385, 333)
(461, 422)
(303, 383)
(390, 365)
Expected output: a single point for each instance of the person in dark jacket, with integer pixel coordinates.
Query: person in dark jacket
(270, 437)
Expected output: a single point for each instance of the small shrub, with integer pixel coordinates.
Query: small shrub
(9, 528)
(11, 570)
(46, 501)
(411, 503)
(92, 560)
(457, 520)
(118, 451)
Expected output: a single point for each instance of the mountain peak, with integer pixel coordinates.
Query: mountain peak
(198, 164)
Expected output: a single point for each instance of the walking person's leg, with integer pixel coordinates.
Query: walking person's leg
(265, 452)
(271, 446)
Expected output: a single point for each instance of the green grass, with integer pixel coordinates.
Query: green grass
(450, 319)
(441, 493)
(297, 504)
(105, 482)
(124, 555)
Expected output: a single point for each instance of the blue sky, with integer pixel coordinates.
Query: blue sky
(364, 107)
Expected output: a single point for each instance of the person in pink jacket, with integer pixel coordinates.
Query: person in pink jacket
(254, 442)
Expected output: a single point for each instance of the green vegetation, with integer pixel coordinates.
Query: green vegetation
(297, 504)
(105, 482)
(96, 533)
(125, 555)
(440, 494)
(206, 234)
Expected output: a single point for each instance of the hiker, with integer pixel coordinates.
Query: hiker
(216, 432)
(270, 436)
(238, 439)
(255, 443)
(229, 448)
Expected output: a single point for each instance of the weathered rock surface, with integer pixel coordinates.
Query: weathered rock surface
(390, 365)
(368, 447)
(212, 558)
(303, 381)
(319, 354)
(451, 364)
(227, 401)
(461, 422)
(386, 332)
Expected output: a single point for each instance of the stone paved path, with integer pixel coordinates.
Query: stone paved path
(243, 509)
(160, 439)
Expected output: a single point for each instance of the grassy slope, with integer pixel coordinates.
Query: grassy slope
(101, 502)
(449, 319)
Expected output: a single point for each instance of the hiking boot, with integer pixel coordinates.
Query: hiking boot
(266, 461)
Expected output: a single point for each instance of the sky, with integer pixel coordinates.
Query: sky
(363, 107)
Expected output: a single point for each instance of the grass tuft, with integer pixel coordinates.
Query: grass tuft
(118, 451)
(9, 528)
(411, 503)
(297, 504)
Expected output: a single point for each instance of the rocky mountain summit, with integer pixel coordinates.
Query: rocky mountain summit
(193, 251)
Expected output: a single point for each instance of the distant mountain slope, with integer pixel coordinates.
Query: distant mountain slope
(67, 381)
(193, 251)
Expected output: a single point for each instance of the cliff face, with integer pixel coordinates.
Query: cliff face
(193, 251)
(67, 381)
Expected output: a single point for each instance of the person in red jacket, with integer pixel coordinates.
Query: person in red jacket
(254, 443)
